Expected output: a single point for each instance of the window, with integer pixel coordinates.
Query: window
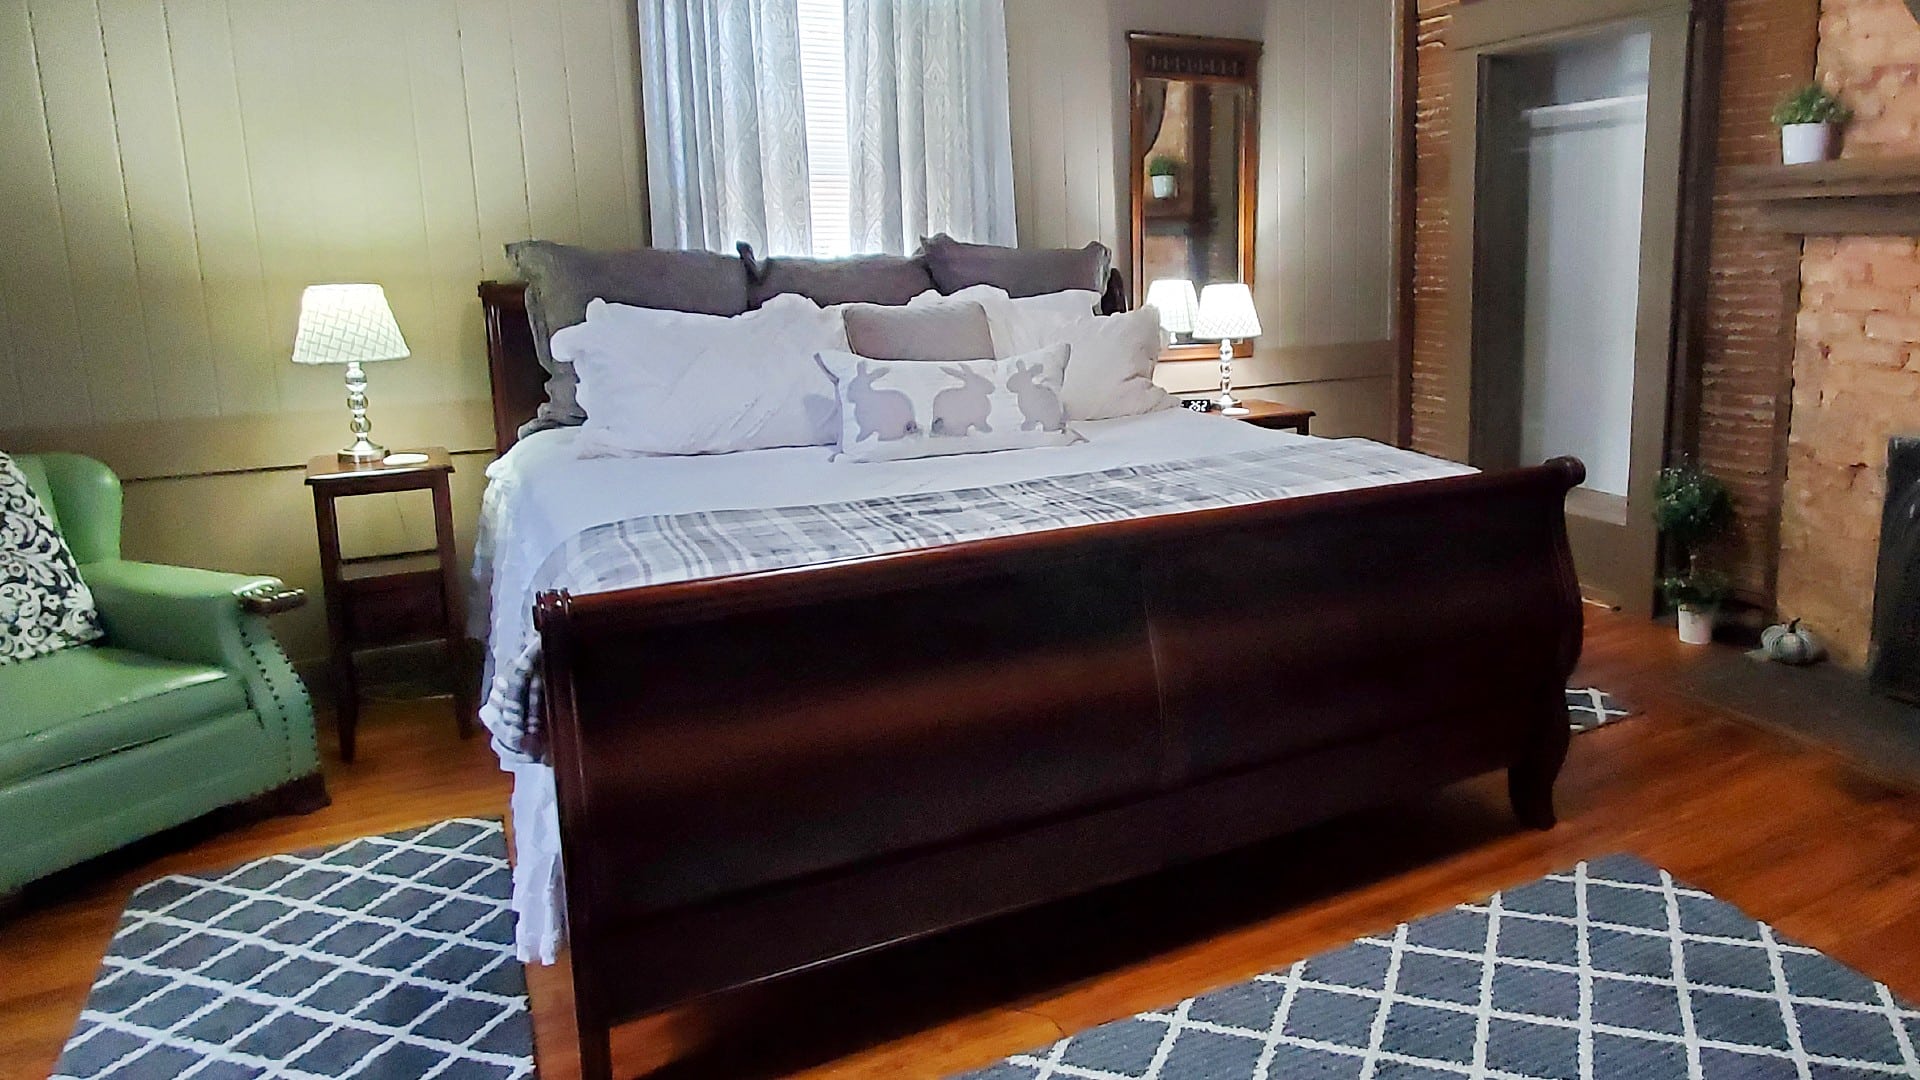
(851, 141)
(823, 75)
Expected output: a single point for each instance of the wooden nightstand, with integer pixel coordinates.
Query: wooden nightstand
(1273, 415)
(384, 600)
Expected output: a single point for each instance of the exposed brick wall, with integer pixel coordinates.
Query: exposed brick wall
(1746, 338)
(1746, 335)
(1431, 236)
(1856, 374)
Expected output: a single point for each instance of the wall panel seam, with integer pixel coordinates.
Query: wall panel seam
(60, 209)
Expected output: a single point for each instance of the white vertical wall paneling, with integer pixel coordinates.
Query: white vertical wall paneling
(1324, 221)
(12, 408)
(1341, 115)
(178, 170)
(1088, 145)
(93, 208)
(620, 29)
(43, 322)
(1368, 176)
(390, 243)
(1317, 96)
(596, 121)
(281, 174)
(1040, 171)
(153, 158)
(1065, 157)
(1019, 88)
(1327, 175)
(440, 124)
(219, 188)
(495, 122)
(539, 67)
(1281, 229)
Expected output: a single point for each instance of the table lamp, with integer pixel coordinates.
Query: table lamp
(1226, 314)
(1176, 301)
(351, 325)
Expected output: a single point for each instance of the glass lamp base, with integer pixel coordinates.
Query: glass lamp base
(1226, 404)
(363, 452)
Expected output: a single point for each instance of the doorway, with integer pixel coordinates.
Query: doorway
(1567, 202)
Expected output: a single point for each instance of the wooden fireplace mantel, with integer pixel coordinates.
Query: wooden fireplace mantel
(1854, 197)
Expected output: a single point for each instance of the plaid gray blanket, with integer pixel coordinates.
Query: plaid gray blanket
(684, 547)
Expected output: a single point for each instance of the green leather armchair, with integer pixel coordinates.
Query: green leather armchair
(186, 705)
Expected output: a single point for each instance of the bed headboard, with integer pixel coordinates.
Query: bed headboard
(520, 383)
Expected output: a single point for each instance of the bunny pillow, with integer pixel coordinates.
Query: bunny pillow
(893, 411)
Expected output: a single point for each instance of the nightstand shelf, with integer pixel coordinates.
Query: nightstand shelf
(380, 601)
(1273, 415)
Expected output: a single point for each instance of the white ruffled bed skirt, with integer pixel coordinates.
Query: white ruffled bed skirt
(539, 888)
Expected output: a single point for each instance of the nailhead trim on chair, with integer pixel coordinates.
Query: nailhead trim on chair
(273, 684)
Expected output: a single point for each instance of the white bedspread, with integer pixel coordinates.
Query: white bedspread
(540, 494)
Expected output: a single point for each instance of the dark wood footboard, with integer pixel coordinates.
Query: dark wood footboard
(767, 772)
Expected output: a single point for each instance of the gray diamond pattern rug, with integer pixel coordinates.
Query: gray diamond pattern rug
(385, 957)
(1590, 708)
(1610, 971)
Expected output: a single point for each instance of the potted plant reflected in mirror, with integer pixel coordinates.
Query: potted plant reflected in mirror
(1692, 507)
(1163, 175)
(1809, 120)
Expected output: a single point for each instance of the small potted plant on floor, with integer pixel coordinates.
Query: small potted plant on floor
(1808, 120)
(1162, 172)
(1692, 507)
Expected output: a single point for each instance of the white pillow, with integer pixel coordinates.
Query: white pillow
(896, 410)
(1111, 358)
(670, 382)
(1110, 370)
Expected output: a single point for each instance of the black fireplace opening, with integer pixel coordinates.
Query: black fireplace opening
(1893, 664)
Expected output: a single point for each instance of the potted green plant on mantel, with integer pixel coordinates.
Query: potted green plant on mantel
(1809, 119)
(1162, 174)
(1692, 507)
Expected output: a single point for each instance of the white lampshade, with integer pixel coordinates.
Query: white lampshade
(1226, 313)
(341, 324)
(1177, 303)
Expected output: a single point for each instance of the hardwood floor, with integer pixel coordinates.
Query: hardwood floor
(1791, 833)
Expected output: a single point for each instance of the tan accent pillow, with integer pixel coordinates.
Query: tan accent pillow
(941, 331)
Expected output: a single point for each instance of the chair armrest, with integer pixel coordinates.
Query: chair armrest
(203, 617)
(175, 611)
(272, 597)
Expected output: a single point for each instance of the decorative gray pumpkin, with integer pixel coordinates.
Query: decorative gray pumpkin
(1792, 644)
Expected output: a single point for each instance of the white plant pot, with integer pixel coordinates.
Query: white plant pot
(1696, 625)
(1804, 144)
(1162, 186)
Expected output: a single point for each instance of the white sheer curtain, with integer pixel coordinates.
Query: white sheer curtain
(726, 124)
(930, 142)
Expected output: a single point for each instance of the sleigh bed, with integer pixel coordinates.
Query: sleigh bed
(763, 771)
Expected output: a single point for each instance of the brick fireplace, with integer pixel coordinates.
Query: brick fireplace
(1806, 359)
(1856, 363)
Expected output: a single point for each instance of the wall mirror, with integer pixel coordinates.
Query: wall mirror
(1195, 169)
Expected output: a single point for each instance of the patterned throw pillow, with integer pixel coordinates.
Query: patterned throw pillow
(915, 409)
(44, 606)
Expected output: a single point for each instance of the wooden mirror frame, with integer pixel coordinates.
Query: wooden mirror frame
(1184, 58)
